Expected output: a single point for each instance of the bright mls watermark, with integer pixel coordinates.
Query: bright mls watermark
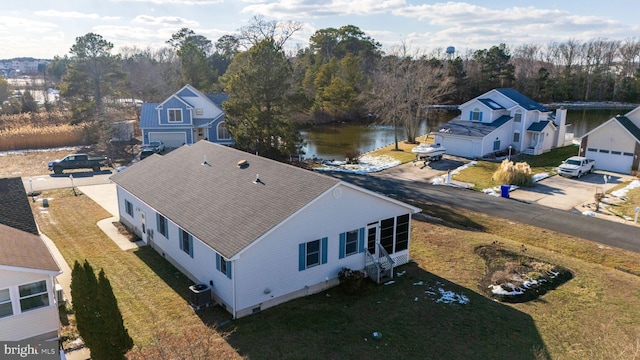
(43, 350)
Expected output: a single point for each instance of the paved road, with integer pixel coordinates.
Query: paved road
(598, 230)
(64, 180)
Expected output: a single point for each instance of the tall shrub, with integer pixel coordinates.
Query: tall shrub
(513, 174)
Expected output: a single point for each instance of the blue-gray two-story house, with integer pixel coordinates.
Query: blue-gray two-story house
(185, 118)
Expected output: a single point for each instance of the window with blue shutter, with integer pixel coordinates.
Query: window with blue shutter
(223, 265)
(312, 253)
(351, 242)
(186, 242)
(163, 225)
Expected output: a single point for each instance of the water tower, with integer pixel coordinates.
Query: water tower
(450, 51)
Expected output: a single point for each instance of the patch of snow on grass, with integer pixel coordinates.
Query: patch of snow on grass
(440, 180)
(449, 297)
(367, 164)
(500, 289)
(623, 192)
(588, 213)
(16, 152)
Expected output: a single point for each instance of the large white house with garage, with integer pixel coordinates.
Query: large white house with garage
(186, 117)
(28, 301)
(258, 232)
(503, 120)
(615, 145)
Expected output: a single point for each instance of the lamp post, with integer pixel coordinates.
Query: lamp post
(72, 186)
(509, 152)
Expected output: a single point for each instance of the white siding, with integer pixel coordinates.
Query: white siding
(32, 323)
(200, 269)
(611, 137)
(210, 111)
(273, 262)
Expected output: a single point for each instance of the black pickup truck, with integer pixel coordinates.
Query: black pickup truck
(77, 161)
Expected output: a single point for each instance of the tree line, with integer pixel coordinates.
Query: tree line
(342, 75)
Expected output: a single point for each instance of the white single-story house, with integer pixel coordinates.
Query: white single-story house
(28, 303)
(615, 145)
(503, 120)
(257, 231)
(185, 117)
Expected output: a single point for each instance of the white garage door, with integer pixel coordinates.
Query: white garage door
(459, 147)
(614, 161)
(170, 140)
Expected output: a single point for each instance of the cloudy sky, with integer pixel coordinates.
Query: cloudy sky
(43, 29)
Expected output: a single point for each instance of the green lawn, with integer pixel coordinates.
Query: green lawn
(572, 322)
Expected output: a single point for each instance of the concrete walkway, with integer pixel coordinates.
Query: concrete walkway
(105, 195)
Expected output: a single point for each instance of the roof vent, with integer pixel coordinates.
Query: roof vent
(257, 180)
(204, 161)
(243, 164)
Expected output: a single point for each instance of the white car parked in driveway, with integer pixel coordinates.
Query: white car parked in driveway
(576, 166)
(155, 145)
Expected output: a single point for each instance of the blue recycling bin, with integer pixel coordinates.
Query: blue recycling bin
(504, 191)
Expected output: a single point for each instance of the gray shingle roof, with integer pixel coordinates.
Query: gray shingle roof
(522, 100)
(15, 210)
(219, 203)
(20, 245)
(457, 126)
(630, 126)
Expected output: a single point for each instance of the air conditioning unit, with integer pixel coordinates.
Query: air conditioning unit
(60, 295)
(200, 296)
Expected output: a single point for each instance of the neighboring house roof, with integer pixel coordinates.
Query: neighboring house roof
(491, 104)
(149, 111)
(202, 189)
(20, 245)
(218, 99)
(522, 100)
(15, 210)
(626, 123)
(457, 126)
(630, 126)
(149, 115)
(538, 126)
(24, 250)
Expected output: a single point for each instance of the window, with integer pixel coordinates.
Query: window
(351, 242)
(386, 234)
(496, 145)
(517, 117)
(199, 111)
(627, 154)
(223, 265)
(128, 207)
(175, 115)
(5, 303)
(312, 253)
(476, 115)
(603, 151)
(516, 137)
(186, 242)
(223, 133)
(33, 296)
(163, 225)
(592, 149)
(402, 233)
(616, 152)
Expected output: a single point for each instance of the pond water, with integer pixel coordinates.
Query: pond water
(335, 140)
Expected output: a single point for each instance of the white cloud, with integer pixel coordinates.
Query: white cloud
(297, 9)
(175, 2)
(164, 21)
(73, 15)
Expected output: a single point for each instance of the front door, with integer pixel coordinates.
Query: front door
(199, 134)
(372, 239)
(534, 140)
